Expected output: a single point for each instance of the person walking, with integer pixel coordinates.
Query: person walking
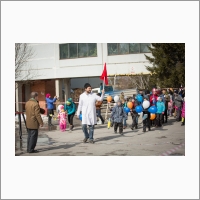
(118, 114)
(50, 107)
(87, 103)
(33, 121)
(70, 107)
(98, 109)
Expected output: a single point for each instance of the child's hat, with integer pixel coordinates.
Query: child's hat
(61, 107)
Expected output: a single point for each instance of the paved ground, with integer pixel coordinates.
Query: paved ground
(169, 140)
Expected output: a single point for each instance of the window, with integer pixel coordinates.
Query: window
(77, 50)
(144, 47)
(127, 48)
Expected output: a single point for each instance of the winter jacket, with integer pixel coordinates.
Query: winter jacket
(71, 109)
(33, 117)
(183, 110)
(160, 107)
(50, 103)
(153, 102)
(178, 101)
(118, 114)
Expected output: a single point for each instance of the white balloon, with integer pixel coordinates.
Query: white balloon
(146, 104)
(116, 98)
(125, 97)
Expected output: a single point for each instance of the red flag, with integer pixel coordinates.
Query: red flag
(104, 75)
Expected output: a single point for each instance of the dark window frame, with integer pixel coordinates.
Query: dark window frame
(120, 54)
(77, 51)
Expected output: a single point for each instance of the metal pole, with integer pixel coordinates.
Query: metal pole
(24, 121)
(20, 126)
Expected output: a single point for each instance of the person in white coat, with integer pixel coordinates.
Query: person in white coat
(87, 105)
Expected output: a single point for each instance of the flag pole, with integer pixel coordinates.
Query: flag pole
(104, 84)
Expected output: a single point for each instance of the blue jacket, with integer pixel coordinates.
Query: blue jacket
(50, 103)
(160, 107)
(71, 109)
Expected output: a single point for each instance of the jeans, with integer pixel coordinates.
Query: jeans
(98, 111)
(85, 131)
(124, 123)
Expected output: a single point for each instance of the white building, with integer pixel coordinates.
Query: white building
(75, 64)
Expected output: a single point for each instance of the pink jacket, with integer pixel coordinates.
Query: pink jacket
(62, 117)
(183, 110)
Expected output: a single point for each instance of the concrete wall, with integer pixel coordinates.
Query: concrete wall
(46, 63)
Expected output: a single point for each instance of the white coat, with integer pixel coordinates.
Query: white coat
(88, 107)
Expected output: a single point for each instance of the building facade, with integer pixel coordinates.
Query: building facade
(66, 66)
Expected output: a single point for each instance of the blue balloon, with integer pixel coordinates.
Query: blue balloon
(138, 109)
(139, 98)
(126, 109)
(80, 117)
(152, 109)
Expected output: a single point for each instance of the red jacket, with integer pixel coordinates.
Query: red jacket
(155, 96)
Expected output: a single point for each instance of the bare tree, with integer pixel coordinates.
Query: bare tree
(23, 71)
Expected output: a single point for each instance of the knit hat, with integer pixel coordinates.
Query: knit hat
(48, 95)
(61, 107)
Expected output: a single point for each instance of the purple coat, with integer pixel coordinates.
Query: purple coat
(183, 110)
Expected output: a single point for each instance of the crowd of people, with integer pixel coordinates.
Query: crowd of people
(168, 102)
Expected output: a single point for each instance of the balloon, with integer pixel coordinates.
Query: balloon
(109, 98)
(152, 109)
(116, 98)
(130, 105)
(139, 98)
(138, 109)
(146, 104)
(125, 97)
(80, 117)
(127, 110)
(152, 116)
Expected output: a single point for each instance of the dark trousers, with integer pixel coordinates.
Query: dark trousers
(146, 123)
(134, 120)
(32, 139)
(178, 114)
(50, 112)
(70, 119)
(98, 111)
(120, 125)
(164, 116)
(159, 118)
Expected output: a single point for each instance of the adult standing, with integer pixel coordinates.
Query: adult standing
(50, 107)
(178, 106)
(33, 121)
(87, 106)
(98, 109)
(70, 107)
(165, 99)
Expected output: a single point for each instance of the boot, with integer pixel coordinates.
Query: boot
(70, 127)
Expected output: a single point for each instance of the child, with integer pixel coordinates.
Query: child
(118, 114)
(160, 111)
(124, 104)
(146, 120)
(134, 115)
(183, 113)
(62, 116)
(170, 106)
